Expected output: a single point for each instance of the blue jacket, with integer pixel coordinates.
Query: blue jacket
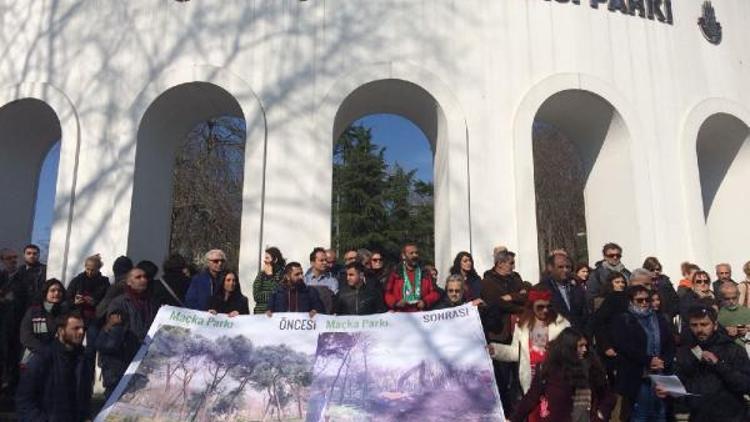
(297, 298)
(202, 288)
(52, 387)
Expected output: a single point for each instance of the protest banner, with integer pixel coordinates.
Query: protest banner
(194, 366)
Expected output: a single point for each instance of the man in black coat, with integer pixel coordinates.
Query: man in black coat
(52, 385)
(714, 368)
(644, 345)
(568, 298)
(612, 256)
(32, 274)
(357, 297)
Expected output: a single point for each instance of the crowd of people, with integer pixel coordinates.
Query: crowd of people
(580, 345)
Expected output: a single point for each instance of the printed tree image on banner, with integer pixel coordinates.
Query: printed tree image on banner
(195, 366)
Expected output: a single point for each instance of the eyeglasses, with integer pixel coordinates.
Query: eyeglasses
(216, 261)
(642, 300)
(614, 255)
(657, 270)
(542, 307)
(376, 259)
(701, 281)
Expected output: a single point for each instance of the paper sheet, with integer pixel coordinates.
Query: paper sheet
(672, 384)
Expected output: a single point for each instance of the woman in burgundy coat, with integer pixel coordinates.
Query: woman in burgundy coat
(571, 385)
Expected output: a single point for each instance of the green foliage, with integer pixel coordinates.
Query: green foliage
(376, 205)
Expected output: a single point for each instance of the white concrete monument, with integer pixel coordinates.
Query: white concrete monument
(657, 103)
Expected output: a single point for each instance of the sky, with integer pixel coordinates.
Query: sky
(404, 142)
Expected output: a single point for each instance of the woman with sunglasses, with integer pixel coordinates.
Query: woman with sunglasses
(570, 385)
(700, 290)
(645, 345)
(537, 326)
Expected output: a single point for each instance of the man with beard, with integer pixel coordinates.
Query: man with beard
(356, 297)
(52, 386)
(611, 262)
(293, 295)
(713, 368)
(32, 274)
(409, 288)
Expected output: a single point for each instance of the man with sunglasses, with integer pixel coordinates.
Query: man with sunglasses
(644, 344)
(611, 262)
(206, 283)
(455, 294)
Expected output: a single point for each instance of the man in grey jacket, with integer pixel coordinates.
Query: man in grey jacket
(612, 254)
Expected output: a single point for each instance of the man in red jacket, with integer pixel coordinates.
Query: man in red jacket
(408, 288)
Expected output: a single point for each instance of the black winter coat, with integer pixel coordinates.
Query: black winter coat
(600, 323)
(32, 278)
(721, 385)
(363, 300)
(52, 387)
(236, 302)
(630, 343)
(38, 326)
(179, 284)
(596, 281)
(83, 285)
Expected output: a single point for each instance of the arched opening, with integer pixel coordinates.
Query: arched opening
(199, 126)
(44, 210)
(30, 129)
(413, 103)
(723, 153)
(591, 185)
(382, 187)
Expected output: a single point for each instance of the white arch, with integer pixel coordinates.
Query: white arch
(698, 236)
(255, 147)
(57, 261)
(452, 201)
(526, 227)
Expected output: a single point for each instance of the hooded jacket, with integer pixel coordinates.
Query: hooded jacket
(720, 386)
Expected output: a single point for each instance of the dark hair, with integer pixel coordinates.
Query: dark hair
(290, 266)
(562, 356)
(550, 261)
(456, 268)
(62, 320)
(611, 245)
(656, 292)
(608, 286)
(48, 284)
(277, 259)
(315, 252)
(175, 263)
(708, 301)
(31, 246)
(238, 290)
(701, 272)
(635, 290)
(702, 311)
(149, 268)
(651, 263)
(356, 265)
(528, 310)
(403, 248)
(581, 265)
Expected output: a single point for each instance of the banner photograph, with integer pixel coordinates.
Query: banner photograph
(194, 366)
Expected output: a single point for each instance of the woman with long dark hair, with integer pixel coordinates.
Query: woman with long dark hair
(229, 298)
(571, 385)
(463, 265)
(268, 278)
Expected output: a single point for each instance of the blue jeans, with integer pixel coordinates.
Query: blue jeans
(648, 407)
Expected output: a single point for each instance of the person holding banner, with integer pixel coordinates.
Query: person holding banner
(355, 297)
(570, 386)
(293, 295)
(229, 299)
(409, 288)
(127, 322)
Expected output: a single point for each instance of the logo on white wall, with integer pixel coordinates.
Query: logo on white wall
(710, 27)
